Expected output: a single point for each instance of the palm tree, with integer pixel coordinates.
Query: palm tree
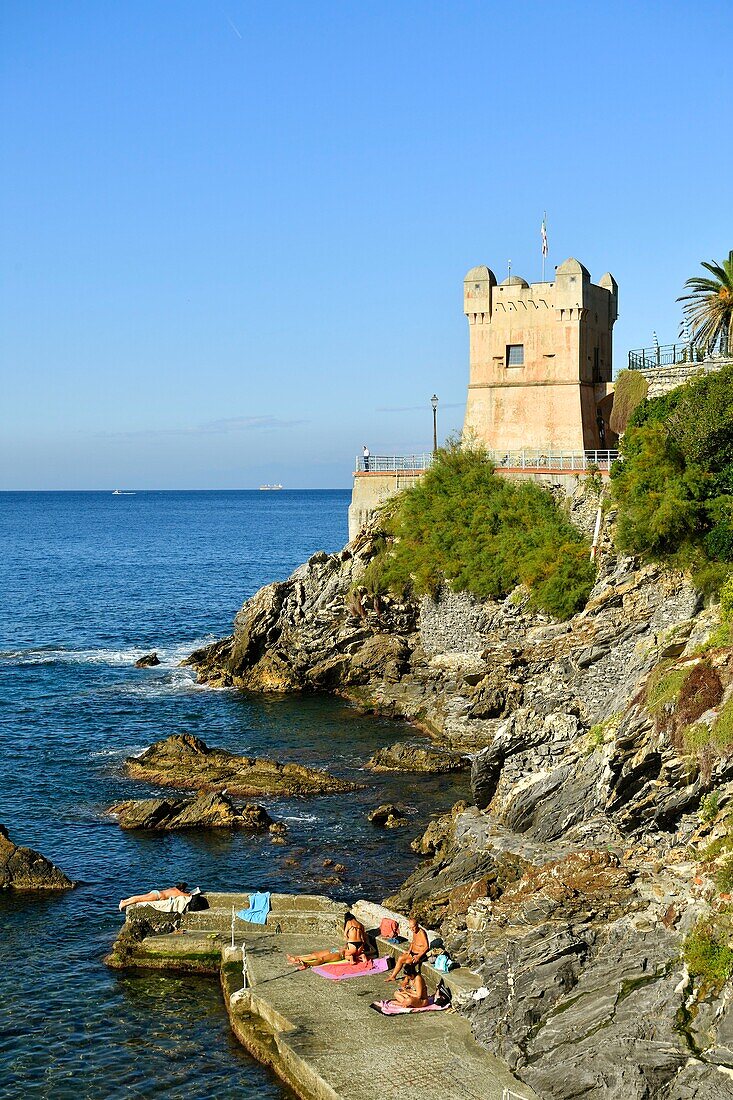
(708, 307)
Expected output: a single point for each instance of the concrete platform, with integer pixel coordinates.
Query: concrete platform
(320, 1036)
(331, 1041)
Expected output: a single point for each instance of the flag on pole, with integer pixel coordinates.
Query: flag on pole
(544, 235)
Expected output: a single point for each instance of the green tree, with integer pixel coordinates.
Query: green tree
(708, 308)
(661, 498)
(463, 526)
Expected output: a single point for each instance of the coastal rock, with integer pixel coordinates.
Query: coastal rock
(391, 815)
(206, 811)
(148, 660)
(186, 761)
(23, 869)
(417, 756)
(602, 823)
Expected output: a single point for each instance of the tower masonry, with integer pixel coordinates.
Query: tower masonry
(540, 360)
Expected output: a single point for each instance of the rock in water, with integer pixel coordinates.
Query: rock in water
(149, 660)
(206, 811)
(418, 756)
(24, 869)
(185, 761)
(391, 815)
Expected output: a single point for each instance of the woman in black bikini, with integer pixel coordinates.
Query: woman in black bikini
(356, 950)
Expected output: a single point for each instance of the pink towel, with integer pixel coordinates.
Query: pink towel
(339, 970)
(389, 1008)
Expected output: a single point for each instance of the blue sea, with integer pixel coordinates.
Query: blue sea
(89, 582)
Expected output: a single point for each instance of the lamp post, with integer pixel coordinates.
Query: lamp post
(434, 403)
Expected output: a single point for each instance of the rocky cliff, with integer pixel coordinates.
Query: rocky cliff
(588, 881)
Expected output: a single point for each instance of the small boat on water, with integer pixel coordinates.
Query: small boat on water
(122, 493)
(269, 488)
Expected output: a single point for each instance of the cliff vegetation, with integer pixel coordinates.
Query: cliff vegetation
(673, 488)
(463, 526)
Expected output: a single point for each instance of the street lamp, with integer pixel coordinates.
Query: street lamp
(434, 403)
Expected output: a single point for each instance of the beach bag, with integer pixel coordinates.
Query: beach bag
(198, 902)
(444, 963)
(389, 929)
(442, 996)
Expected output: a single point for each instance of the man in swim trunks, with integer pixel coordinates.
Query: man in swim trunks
(177, 891)
(416, 952)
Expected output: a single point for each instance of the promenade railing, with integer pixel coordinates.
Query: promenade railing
(572, 461)
(666, 355)
(553, 460)
(392, 464)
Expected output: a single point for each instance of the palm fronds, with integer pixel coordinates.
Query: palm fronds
(708, 308)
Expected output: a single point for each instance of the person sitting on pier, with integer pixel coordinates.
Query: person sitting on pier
(413, 992)
(416, 952)
(357, 948)
(180, 890)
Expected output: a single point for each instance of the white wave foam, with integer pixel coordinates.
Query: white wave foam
(123, 751)
(170, 657)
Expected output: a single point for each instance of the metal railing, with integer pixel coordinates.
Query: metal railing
(392, 464)
(665, 355)
(553, 460)
(577, 461)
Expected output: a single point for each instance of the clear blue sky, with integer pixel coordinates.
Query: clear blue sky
(233, 235)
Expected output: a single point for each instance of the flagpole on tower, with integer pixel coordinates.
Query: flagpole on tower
(544, 243)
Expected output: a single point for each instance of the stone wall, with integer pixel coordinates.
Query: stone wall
(455, 622)
(663, 379)
(372, 489)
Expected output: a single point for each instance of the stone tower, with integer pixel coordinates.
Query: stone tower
(540, 360)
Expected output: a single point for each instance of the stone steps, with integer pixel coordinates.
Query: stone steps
(301, 922)
(299, 914)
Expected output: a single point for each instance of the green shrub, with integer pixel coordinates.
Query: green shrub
(726, 601)
(701, 420)
(664, 686)
(707, 953)
(709, 807)
(673, 488)
(707, 576)
(721, 734)
(660, 500)
(655, 411)
(719, 541)
(695, 738)
(479, 533)
(630, 390)
(721, 637)
(724, 877)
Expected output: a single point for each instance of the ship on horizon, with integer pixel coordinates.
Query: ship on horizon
(269, 488)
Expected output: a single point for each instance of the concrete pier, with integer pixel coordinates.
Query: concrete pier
(320, 1036)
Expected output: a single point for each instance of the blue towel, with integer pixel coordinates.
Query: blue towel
(259, 907)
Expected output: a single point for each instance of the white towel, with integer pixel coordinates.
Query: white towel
(167, 905)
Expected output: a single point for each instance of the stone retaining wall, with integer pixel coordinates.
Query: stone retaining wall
(663, 379)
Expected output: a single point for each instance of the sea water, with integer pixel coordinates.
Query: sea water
(89, 582)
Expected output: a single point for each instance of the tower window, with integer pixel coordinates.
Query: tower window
(515, 355)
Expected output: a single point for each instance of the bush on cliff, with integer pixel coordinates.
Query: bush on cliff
(673, 488)
(479, 533)
(629, 392)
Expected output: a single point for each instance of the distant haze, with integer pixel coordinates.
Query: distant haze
(233, 236)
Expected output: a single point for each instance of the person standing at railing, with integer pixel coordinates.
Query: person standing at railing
(365, 455)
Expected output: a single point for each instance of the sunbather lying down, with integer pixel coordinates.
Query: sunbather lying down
(180, 890)
(357, 948)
